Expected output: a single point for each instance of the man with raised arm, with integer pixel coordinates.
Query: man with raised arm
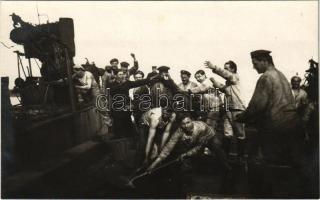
(119, 91)
(210, 98)
(124, 67)
(233, 103)
(85, 84)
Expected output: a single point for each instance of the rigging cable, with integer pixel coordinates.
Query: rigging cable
(37, 64)
(8, 47)
(22, 68)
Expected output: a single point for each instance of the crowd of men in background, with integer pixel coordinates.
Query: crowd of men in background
(216, 125)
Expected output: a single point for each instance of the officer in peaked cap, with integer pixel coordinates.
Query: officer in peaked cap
(164, 72)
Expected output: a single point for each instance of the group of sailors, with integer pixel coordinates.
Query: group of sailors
(208, 117)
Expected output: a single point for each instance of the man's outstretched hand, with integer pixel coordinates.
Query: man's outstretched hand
(150, 169)
(133, 56)
(209, 65)
(153, 165)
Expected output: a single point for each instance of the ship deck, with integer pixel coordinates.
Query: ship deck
(94, 170)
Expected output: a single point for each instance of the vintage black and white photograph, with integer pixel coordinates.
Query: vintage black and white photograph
(159, 99)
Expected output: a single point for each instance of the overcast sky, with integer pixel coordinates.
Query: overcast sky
(181, 35)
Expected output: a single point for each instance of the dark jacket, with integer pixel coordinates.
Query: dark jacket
(272, 106)
(118, 91)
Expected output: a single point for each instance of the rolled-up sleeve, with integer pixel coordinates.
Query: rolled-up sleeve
(226, 74)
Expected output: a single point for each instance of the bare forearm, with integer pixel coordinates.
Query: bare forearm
(150, 141)
(193, 151)
(223, 73)
(217, 84)
(83, 87)
(164, 138)
(166, 150)
(199, 89)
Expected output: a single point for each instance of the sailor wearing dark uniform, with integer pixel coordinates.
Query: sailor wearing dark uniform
(124, 67)
(276, 172)
(153, 72)
(138, 94)
(123, 126)
(161, 88)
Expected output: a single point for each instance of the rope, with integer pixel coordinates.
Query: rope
(22, 68)
(6, 45)
(37, 64)
(147, 173)
(18, 98)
